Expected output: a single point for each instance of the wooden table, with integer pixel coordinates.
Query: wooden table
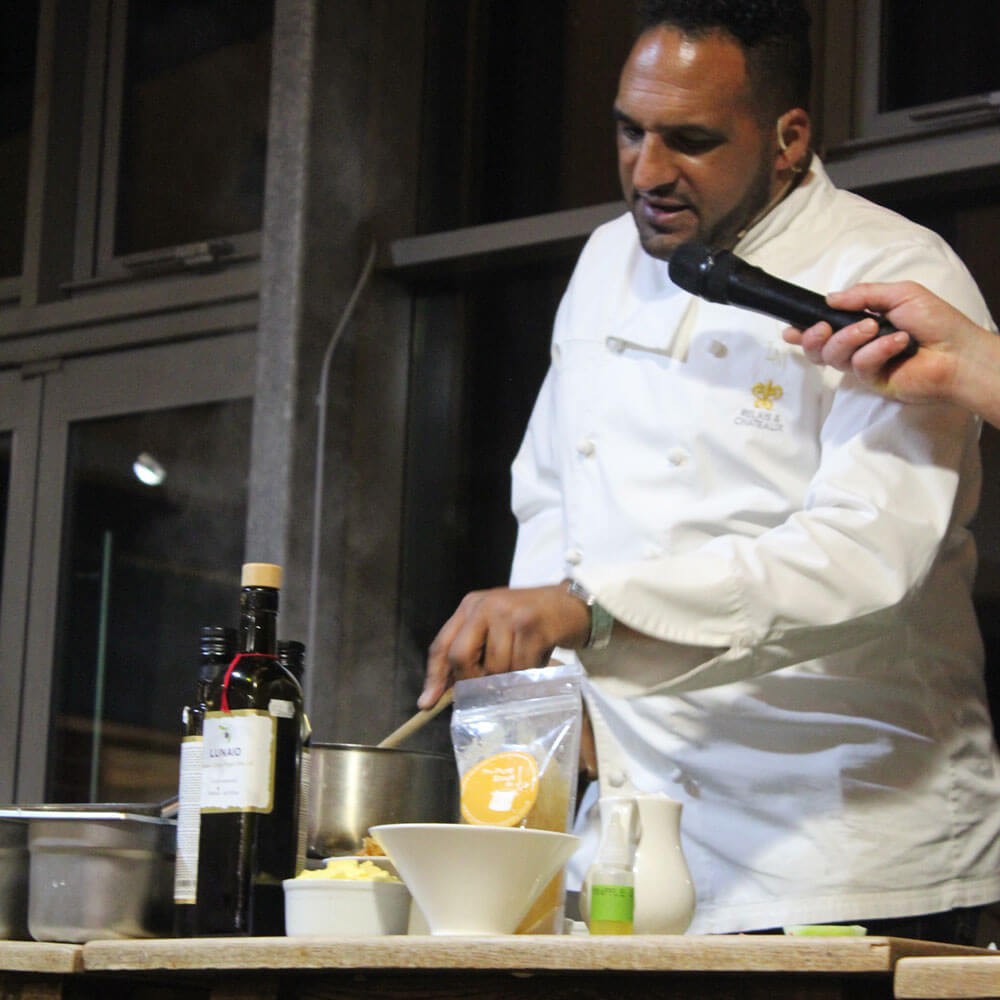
(732, 967)
(34, 971)
(948, 977)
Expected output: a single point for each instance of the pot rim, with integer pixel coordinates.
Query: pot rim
(365, 748)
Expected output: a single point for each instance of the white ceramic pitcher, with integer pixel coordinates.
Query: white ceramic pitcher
(664, 892)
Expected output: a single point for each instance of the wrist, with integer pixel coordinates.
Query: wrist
(601, 620)
(977, 360)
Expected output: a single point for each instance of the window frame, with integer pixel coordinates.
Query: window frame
(95, 261)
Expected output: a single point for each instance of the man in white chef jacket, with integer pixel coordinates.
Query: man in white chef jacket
(764, 567)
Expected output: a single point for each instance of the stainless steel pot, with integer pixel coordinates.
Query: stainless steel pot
(354, 787)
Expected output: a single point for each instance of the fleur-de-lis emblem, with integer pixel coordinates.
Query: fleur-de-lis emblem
(766, 394)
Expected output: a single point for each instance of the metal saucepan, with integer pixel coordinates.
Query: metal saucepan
(354, 787)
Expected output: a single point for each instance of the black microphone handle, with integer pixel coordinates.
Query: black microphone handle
(742, 284)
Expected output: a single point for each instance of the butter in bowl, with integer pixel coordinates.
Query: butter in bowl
(347, 897)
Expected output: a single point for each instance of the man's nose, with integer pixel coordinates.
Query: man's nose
(655, 165)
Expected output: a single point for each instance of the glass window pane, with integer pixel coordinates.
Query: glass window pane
(143, 567)
(18, 32)
(459, 530)
(194, 121)
(5, 448)
(938, 52)
(517, 112)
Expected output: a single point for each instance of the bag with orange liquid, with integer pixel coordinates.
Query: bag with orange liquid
(517, 743)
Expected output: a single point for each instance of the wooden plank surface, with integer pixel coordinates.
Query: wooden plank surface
(683, 953)
(944, 977)
(35, 956)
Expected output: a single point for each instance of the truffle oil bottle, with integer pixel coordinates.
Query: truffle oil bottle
(252, 748)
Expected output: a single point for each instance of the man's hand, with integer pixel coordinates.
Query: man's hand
(495, 631)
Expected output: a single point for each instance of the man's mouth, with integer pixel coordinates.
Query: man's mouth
(662, 213)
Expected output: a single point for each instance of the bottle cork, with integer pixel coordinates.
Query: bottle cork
(261, 575)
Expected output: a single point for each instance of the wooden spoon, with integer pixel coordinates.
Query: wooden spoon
(418, 721)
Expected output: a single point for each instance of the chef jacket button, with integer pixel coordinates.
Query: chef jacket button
(615, 344)
(574, 557)
(556, 354)
(677, 456)
(616, 779)
(586, 447)
(718, 349)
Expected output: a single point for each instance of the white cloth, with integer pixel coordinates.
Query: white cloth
(797, 545)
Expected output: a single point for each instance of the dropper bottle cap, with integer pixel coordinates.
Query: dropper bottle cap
(616, 850)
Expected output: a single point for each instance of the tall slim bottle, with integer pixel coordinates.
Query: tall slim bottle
(292, 655)
(217, 648)
(250, 777)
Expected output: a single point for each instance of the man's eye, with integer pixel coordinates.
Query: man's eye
(694, 144)
(631, 133)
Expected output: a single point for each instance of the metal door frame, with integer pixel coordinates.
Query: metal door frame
(153, 378)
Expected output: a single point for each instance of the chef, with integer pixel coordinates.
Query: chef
(764, 567)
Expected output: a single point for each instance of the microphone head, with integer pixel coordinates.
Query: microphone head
(689, 267)
(701, 272)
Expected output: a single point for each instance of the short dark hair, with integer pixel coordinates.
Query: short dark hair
(774, 36)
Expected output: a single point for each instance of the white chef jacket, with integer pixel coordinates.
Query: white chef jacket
(798, 547)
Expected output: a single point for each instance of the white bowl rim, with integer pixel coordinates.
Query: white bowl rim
(505, 831)
(355, 884)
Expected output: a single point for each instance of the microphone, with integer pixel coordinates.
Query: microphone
(723, 277)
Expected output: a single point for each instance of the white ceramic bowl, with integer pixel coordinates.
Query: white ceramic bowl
(474, 879)
(331, 907)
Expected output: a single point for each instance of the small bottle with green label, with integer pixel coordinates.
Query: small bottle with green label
(612, 883)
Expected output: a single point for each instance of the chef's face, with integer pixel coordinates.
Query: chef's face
(694, 159)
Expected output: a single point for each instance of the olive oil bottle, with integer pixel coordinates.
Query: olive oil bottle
(217, 647)
(252, 748)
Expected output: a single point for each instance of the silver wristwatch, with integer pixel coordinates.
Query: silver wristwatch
(601, 620)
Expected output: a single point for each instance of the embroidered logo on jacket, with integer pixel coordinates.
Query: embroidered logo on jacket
(763, 415)
(766, 394)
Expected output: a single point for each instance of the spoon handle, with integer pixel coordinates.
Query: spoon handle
(418, 721)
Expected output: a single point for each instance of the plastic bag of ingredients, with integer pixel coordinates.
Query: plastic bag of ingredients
(517, 742)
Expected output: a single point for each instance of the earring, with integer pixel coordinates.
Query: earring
(783, 146)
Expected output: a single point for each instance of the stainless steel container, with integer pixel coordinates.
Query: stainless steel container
(354, 787)
(97, 872)
(13, 880)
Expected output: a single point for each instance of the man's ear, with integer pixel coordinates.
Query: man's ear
(794, 134)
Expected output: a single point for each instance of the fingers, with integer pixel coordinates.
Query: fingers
(812, 340)
(875, 296)
(494, 631)
(869, 361)
(439, 674)
(838, 349)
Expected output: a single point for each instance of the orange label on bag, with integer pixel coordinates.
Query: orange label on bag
(500, 790)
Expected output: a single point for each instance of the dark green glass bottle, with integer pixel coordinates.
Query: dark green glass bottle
(293, 658)
(252, 740)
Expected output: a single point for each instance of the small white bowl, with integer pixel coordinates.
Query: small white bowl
(474, 879)
(331, 907)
